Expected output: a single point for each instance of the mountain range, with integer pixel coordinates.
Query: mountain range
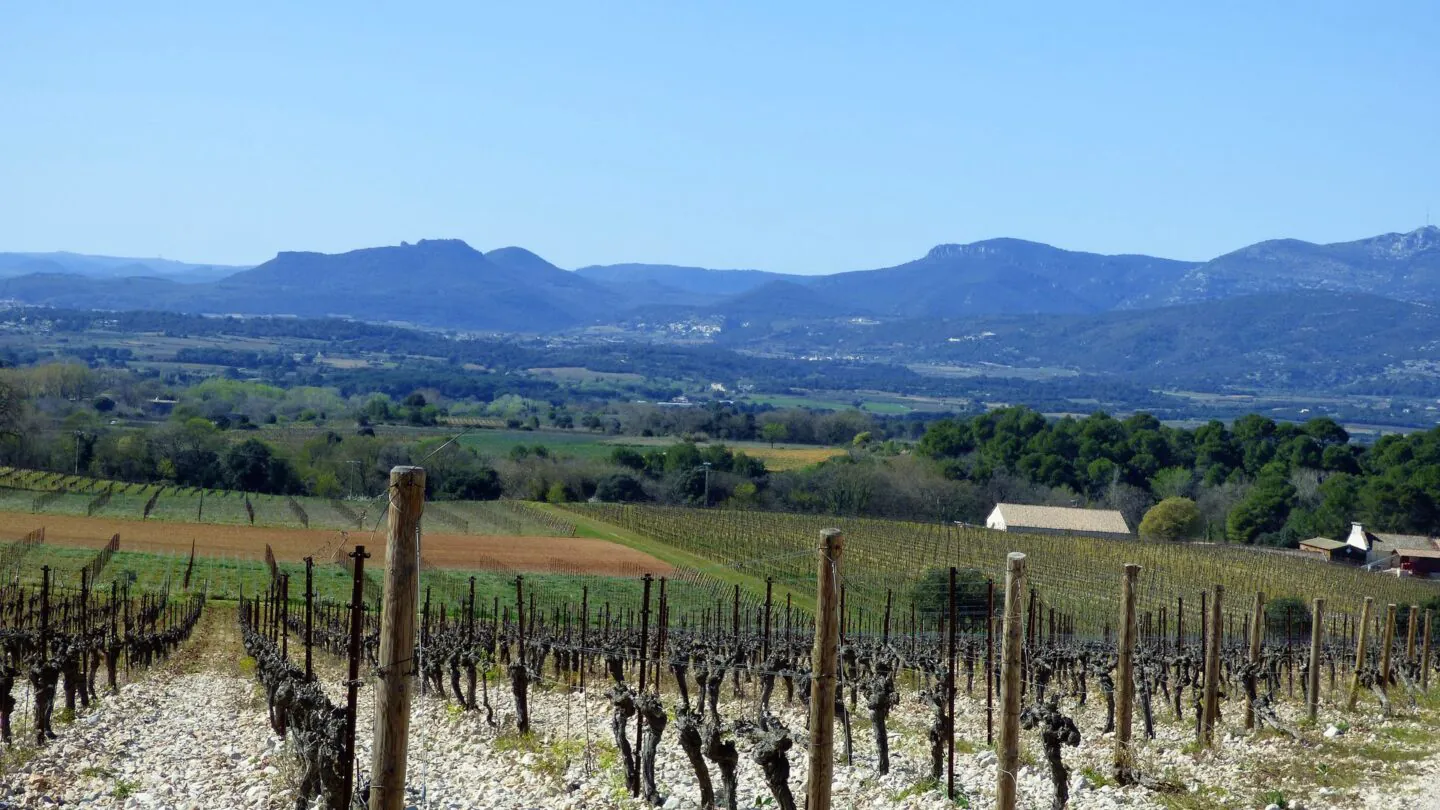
(446, 283)
(80, 264)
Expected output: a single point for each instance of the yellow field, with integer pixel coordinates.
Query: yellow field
(781, 459)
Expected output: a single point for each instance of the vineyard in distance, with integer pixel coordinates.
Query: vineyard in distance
(176, 647)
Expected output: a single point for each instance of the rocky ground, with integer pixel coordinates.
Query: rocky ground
(193, 734)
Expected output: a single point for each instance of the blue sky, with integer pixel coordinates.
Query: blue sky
(802, 136)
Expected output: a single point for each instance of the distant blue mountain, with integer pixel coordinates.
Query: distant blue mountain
(447, 283)
(79, 264)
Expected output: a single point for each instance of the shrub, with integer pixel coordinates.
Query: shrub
(1174, 518)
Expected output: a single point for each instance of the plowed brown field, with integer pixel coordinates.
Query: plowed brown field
(482, 552)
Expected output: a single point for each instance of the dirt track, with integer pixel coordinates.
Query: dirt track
(538, 554)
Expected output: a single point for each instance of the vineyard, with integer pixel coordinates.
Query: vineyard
(1077, 573)
(47, 493)
(1226, 677)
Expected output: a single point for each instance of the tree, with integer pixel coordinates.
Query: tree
(619, 488)
(557, 493)
(627, 457)
(1284, 611)
(931, 595)
(1265, 509)
(1173, 482)
(472, 484)
(252, 467)
(775, 432)
(1174, 518)
(12, 401)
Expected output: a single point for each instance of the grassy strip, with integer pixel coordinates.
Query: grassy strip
(586, 526)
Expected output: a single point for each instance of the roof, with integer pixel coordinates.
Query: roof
(1404, 542)
(1419, 553)
(1324, 543)
(1063, 518)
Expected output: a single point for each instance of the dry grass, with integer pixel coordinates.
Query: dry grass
(780, 459)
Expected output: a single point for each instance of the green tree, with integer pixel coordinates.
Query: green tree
(1284, 611)
(557, 493)
(1174, 518)
(619, 488)
(1264, 510)
(774, 432)
(1173, 482)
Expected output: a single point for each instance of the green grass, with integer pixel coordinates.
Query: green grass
(824, 403)
(498, 443)
(589, 525)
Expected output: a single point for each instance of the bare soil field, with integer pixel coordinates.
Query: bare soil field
(478, 552)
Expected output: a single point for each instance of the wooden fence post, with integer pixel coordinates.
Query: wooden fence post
(1387, 644)
(1425, 655)
(950, 622)
(1257, 635)
(1411, 625)
(1360, 639)
(352, 684)
(1211, 712)
(1010, 651)
(397, 639)
(822, 693)
(1312, 675)
(1125, 678)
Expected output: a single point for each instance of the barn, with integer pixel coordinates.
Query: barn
(1026, 519)
(1417, 562)
(1332, 550)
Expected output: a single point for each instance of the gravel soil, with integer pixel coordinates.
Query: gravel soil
(193, 734)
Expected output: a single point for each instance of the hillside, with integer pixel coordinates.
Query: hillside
(433, 283)
(1297, 339)
(446, 283)
(1404, 266)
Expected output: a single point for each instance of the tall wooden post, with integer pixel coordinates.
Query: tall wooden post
(1312, 674)
(822, 694)
(1216, 628)
(989, 662)
(352, 686)
(309, 616)
(1125, 677)
(1425, 655)
(397, 639)
(950, 687)
(284, 622)
(1411, 626)
(1257, 634)
(1361, 636)
(1010, 651)
(1388, 642)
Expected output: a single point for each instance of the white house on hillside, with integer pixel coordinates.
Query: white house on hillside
(1016, 517)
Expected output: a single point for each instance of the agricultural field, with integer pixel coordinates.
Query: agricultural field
(559, 749)
(1078, 573)
(444, 550)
